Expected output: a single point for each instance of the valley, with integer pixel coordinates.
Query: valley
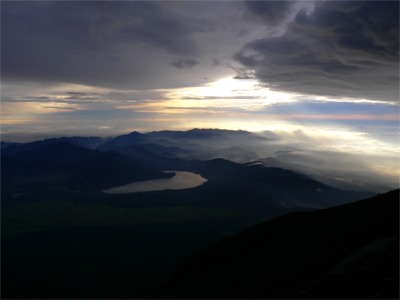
(110, 222)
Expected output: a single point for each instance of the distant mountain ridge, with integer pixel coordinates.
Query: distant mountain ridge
(249, 188)
(57, 164)
(239, 146)
(202, 133)
(129, 139)
(85, 142)
(177, 143)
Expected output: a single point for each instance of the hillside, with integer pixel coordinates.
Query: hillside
(166, 148)
(63, 237)
(349, 251)
(39, 170)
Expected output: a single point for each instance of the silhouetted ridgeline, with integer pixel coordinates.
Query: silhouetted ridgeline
(349, 171)
(63, 237)
(349, 251)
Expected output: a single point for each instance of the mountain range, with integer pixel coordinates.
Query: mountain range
(334, 168)
(64, 237)
(60, 164)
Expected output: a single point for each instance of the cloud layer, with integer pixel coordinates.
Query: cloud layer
(331, 48)
(342, 49)
(99, 43)
(170, 64)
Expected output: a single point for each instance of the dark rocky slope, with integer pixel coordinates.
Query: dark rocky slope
(349, 251)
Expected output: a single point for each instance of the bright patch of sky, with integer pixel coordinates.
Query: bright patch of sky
(106, 68)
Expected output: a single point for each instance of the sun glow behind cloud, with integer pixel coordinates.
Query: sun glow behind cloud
(240, 65)
(310, 123)
(225, 103)
(245, 104)
(226, 92)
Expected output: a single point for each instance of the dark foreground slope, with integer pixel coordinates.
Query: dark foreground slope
(349, 251)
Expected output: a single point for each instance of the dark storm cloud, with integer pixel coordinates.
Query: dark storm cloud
(271, 12)
(182, 63)
(94, 42)
(345, 49)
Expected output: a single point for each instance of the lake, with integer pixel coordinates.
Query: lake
(181, 180)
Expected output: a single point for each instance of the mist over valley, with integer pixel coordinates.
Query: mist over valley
(81, 189)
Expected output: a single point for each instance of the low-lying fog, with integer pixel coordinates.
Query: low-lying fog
(181, 180)
(367, 159)
(346, 160)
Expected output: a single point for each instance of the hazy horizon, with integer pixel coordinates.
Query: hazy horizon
(315, 76)
(107, 68)
(344, 162)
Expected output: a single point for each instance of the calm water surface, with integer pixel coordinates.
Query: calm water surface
(181, 180)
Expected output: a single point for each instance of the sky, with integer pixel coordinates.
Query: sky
(322, 69)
